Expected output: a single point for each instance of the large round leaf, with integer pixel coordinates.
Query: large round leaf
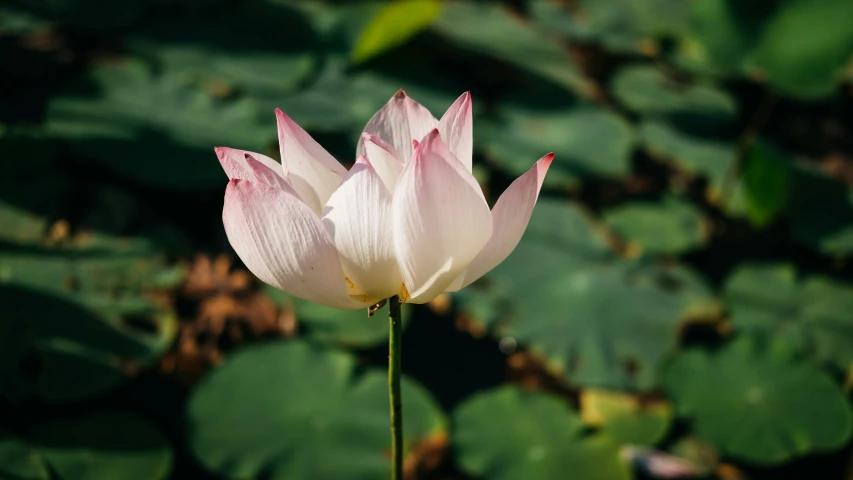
(821, 211)
(296, 411)
(76, 321)
(813, 313)
(107, 444)
(646, 90)
(209, 47)
(754, 402)
(20, 461)
(597, 320)
(670, 225)
(154, 129)
(626, 418)
(587, 141)
(508, 433)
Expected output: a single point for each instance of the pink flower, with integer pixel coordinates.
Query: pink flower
(408, 219)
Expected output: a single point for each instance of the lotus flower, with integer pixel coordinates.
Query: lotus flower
(407, 219)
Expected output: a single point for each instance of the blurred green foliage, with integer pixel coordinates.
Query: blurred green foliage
(681, 300)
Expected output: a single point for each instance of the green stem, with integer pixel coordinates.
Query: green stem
(394, 362)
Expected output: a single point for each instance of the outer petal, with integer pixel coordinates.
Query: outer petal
(309, 168)
(284, 244)
(358, 219)
(399, 122)
(441, 220)
(509, 220)
(384, 159)
(233, 161)
(457, 129)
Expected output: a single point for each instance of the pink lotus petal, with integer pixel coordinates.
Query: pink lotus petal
(358, 219)
(441, 220)
(310, 169)
(399, 122)
(510, 217)
(384, 158)
(284, 244)
(457, 129)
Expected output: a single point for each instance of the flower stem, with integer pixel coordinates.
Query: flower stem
(394, 362)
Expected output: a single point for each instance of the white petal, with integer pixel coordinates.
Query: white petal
(457, 129)
(310, 169)
(509, 220)
(399, 122)
(441, 220)
(384, 159)
(284, 244)
(358, 219)
(233, 161)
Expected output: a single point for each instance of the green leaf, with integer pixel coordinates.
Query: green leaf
(756, 404)
(670, 225)
(105, 444)
(597, 321)
(811, 314)
(214, 48)
(283, 409)
(586, 140)
(698, 156)
(491, 29)
(646, 90)
(766, 178)
(626, 418)
(507, 433)
(81, 318)
(20, 461)
(821, 212)
(805, 46)
(153, 129)
(395, 24)
(621, 25)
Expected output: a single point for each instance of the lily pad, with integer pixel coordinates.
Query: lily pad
(754, 402)
(393, 25)
(621, 25)
(821, 212)
(811, 314)
(105, 444)
(799, 47)
(587, 141)
(670, 225)
(209, 47)
(76, 323)
(283, 409)
(511, 39)
(709, 157)
(507, 433)
(153, 129)
(599, 321)
(20, 461)
(766, 176)
(626, 418)
(646, 90)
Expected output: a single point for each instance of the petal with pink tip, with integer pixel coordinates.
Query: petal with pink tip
(384, 158)
(441, 220)
(266, 175)
(233, 161)
(457, 129)
(284, 244)
(399, 122)
(510, 217)
(310, 169)
(358, 219)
